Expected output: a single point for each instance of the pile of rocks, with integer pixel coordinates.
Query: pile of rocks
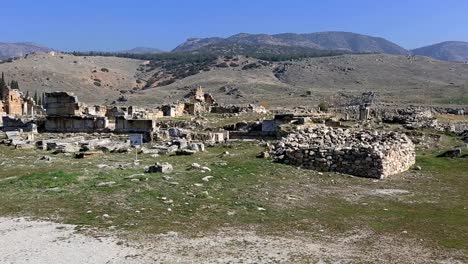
(372, 154)
(411, 118)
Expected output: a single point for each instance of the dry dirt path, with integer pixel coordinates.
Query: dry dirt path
(30, 241)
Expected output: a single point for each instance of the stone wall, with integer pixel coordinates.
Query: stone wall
(75, 124)
(62, 104)
(361, 153)
(10, 123)
(231, 109)
(123, 125)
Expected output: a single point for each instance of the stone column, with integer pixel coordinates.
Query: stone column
(363, 113)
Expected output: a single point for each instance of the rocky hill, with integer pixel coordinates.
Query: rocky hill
(12, 50)
(345, 41)
(449, 50)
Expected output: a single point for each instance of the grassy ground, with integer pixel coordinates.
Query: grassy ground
(244, 192)
(218, 120)
(452, 118)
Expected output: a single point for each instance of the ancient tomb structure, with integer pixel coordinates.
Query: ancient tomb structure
(371, 154)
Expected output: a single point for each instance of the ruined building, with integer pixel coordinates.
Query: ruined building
(66, 114)
(362, 153)
(13, 102)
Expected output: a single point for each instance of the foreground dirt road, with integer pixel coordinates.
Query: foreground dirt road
(27, 241)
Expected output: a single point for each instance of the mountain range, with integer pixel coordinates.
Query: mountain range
(142, 50)
(449, 51)
(345, 42)
(19, 49)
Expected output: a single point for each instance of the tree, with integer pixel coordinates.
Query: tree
(14, 85)
(35, 97)
(2, 87)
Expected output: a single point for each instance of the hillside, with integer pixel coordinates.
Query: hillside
(345, 41)
(241, 79)
(93, 79)
(449, 50)
(12, 50)
(396, 78)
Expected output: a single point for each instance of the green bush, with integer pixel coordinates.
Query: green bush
(323, 106)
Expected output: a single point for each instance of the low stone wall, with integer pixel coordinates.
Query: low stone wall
(10, 123)
(360, 153)
(74, 124)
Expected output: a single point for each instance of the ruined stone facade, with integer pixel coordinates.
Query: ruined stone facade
(13, 102)
(63, 104)
(361, 153)
(66, 114)
(147, 127)
(173, 110)
(123, 125)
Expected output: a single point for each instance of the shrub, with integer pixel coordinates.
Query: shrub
(251, 66)
(323, 106)
(222, 65)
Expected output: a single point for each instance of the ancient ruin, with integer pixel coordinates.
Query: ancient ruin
(361, 153)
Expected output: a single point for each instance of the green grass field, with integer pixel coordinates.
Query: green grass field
(244, 192)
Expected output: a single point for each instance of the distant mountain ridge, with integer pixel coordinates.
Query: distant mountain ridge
(333, 40)
(142, 50)
(20, 49)
(448, 50)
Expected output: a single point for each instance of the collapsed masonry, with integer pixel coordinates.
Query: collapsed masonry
(194, 103)
(361, 153)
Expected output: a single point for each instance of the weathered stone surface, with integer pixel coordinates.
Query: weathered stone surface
(160, 167)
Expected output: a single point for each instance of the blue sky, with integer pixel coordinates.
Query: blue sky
(116, 25)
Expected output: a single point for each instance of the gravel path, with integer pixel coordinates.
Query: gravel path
(25, 241)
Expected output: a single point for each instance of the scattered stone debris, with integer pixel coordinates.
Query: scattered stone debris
(105, 184)
(46, 158)
(88, 154)
(451, 153)
(160, 167)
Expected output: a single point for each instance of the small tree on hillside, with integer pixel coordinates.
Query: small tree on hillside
(323, 106)
(35, 97)
(2, 87)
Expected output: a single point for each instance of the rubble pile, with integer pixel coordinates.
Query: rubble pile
(372, 154)
(411, 118)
